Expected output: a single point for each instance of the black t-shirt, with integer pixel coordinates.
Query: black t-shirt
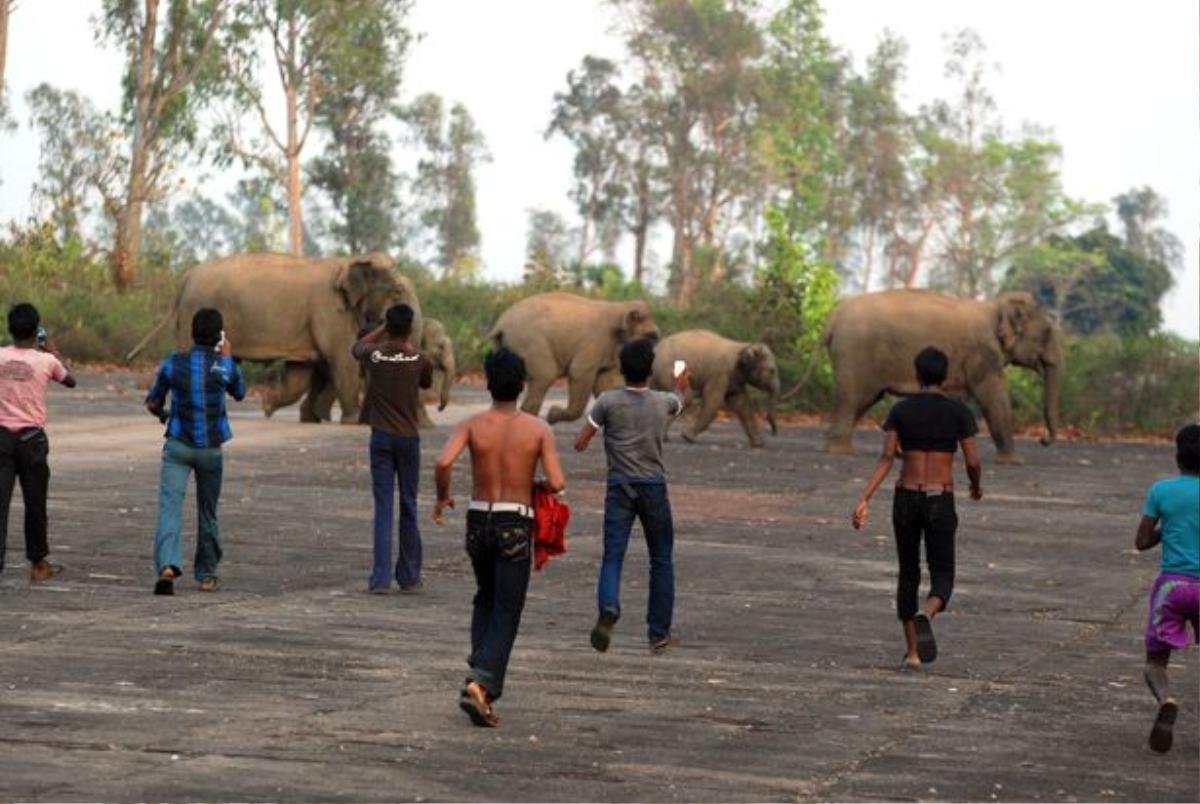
(395, 376)
(930, 423)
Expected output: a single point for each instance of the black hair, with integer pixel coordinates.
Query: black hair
(23, 321)
(1187, 449)
(637, 360)
(505, 374)
(399, 318)
(206, 327)
(931, 365)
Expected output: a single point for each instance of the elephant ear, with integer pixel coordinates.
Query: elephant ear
(633, 317)
(353, 282)
(1014, 312)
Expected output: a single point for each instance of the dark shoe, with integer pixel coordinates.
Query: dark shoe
(474, 700)
(926, 644)
(43, 571)
(662, 643)
(379, 590)
(413, 589)
(1163, 733)
(165, 585)
(602, 632)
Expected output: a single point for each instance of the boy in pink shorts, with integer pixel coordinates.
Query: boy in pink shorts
(1171, 516)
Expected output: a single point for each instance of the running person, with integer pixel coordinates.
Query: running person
(506, 446)
(928, 429)
(1171, 517)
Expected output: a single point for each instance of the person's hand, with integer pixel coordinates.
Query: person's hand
(439, 510)
(226, 348)
(976, 493)
(684, 381)
(861, 514)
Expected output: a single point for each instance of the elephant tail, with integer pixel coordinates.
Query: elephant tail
(813, 359)
(168, 318)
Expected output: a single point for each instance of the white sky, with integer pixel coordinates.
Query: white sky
(1116, 82)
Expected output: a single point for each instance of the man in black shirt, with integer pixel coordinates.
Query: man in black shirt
(928, 429)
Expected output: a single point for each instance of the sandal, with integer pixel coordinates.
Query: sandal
(1163, 733)
(474, 701)
(926, 644)
(209, 584)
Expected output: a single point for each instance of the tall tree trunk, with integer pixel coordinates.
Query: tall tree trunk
(128, 245)
(5, 7)
(639, 254)
(866, 285)
(295, 219)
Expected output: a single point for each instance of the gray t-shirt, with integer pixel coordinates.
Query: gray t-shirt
(634, 422)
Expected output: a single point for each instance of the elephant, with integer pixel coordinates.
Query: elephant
(873, 338)
(435, 343)
(304, 311)
(721, 371)
(564, 335)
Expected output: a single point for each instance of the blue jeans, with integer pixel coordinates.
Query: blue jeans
(501, 550)
(648, 503)
(392, 457)
(178, 461)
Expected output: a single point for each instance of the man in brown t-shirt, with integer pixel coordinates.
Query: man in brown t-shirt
(396, 372)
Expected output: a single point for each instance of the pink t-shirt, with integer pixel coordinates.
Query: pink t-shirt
(24, 375)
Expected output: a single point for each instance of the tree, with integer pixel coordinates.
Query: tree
(445, 182)
(6, 9)
(362, 78)
(591, 116)
(1138, 210)
(696, 60)
(167, 80)
(1096, 282)
(549, 244)
(80, 160)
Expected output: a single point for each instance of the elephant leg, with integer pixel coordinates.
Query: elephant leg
(318, 402)
(713, 399)
(297, 377)
(535, 394)
(992, 396)
(578, 392)
(743, 406)
(348, 383)
(852, 402)
(423, 419)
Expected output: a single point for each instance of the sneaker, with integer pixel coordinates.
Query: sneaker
(413, 589)
(662, 643)
(1163, 733)
(43, 571)
(165, 585)
(602, 632)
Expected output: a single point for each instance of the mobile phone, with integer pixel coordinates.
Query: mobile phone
(42, 337)
(679, 368)
(221, 343)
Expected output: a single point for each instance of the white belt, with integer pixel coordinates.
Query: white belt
(501, 508)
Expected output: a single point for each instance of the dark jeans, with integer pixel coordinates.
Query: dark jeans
(647, 502)
(395, 457)
(914, 514)
(23, 457)
(178, 461)
(501, 551)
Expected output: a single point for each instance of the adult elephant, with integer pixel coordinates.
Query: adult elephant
(874, 337)
(722, 372)
(435, 344)
(304, 311)
(564, 335)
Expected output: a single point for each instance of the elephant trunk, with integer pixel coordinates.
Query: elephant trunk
(1052, 378)
(771, 400)
(448, 372)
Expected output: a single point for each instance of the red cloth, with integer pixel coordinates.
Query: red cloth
(550, 518)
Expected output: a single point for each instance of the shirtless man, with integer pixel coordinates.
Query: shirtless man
(928, 428)
(506, 446)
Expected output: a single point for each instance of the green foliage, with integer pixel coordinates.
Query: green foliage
(1114, 385)
(72, 290)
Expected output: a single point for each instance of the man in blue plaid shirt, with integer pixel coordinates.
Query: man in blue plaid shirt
(197, 426)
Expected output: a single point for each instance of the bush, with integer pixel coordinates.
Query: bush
(1112, 386)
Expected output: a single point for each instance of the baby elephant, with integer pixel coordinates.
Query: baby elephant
(721, 371)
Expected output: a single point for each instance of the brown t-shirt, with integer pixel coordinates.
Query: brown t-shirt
(395, 377)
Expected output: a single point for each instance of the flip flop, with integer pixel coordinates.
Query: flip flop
(164, 586)
(477, 708)
(926, 644)
(1163, 733)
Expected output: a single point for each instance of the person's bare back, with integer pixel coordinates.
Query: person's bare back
(506, 446)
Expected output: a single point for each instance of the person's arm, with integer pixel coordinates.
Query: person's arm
(683, 391)
(235, 381)
(886, 458)
(426, 380)
(555, 482)
(974, 466)
(444, 470)
(156, 398)
(364, 344)
(595, 421)
(62, 374)
(1148, 534)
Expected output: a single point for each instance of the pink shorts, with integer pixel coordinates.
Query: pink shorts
(1174, 602)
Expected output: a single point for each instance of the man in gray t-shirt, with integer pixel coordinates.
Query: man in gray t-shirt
(634, 420)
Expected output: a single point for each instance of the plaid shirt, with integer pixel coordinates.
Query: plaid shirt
(199, 380)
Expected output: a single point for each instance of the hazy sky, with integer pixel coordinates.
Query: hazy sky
(1116, 82)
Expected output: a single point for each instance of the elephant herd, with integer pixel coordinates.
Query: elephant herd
(307, 312)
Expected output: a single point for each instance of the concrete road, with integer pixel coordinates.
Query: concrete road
(291, 683)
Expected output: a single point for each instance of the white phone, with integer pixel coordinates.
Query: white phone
(221, 343)
(679, 368)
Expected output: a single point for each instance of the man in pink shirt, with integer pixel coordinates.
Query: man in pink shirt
(26, 368)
